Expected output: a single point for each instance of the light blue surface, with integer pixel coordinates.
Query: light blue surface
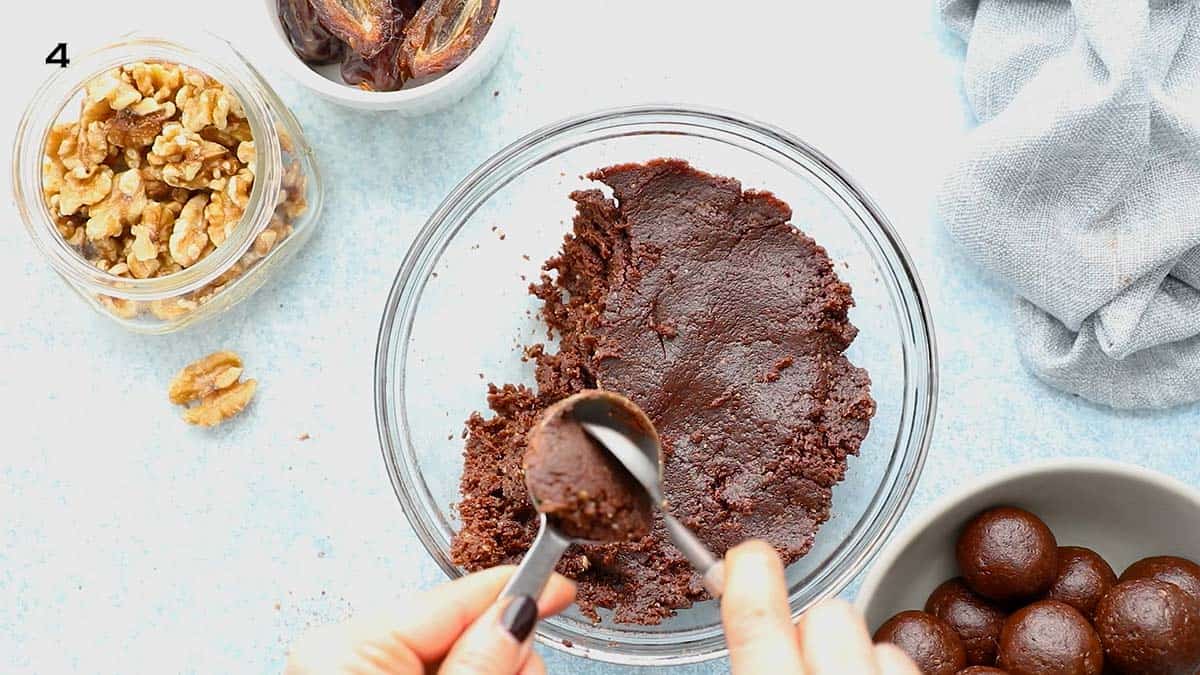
(132, 543)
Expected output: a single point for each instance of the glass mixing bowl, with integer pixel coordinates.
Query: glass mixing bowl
(459, 314)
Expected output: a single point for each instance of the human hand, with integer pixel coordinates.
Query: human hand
(457, 628)
(831, 638)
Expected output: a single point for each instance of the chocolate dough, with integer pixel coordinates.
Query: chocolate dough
(705, 306)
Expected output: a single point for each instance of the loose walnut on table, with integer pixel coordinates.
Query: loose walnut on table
(213, 389)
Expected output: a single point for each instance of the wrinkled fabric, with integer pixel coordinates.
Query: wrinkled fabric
(1081, 187)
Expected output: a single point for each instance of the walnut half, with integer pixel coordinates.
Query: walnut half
(222, 405)
(212, 385)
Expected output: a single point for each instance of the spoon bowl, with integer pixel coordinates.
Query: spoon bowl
(621, 428)
(587, 492)
(604, 410)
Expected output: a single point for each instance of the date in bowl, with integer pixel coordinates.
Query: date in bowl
(418, 96)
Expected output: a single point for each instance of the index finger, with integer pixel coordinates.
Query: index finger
(755, 612)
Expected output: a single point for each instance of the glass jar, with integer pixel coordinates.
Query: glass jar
(282, 208)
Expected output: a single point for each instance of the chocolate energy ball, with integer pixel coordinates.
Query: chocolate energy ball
(1050, 638)
(930, 642)
(1007, 554)
(1150, 627)
(975, 619)
(586, 492)
(1174, 570)
(1083, 578)
(982, 670)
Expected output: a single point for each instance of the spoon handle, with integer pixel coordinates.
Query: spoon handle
(538, 564)
(708, 565)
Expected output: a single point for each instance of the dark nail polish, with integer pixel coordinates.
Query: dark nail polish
(519, 617)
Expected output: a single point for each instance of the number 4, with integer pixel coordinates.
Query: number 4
(58, 56)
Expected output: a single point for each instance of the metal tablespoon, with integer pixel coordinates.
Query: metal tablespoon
(548, 547)
(621, 428)
(626, 432)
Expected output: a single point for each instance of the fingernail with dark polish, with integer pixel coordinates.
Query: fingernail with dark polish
(519, 617)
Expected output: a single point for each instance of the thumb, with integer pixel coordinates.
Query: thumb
(497, 643)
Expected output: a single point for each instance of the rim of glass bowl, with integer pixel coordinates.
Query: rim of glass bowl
(771, 143)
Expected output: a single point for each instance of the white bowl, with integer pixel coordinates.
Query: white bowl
(1122, 511)
(418, 100)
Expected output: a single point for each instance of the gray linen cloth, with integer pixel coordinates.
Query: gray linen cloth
(1081, 187)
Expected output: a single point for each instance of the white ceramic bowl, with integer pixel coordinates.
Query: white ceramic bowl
(1122, 511)
(418, 100)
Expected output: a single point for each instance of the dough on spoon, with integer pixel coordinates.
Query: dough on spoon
(584, 490)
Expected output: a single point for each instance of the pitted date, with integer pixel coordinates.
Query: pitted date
(311, 42)
(443, 33)
(366, 26)
(382, 44)
(406, 7)
(382, 72)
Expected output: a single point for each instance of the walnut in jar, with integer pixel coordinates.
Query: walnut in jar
(138, 151)
(156, 175)
(117, 146)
